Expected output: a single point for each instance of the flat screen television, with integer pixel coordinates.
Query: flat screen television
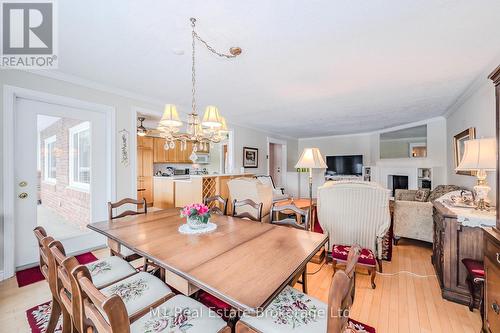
(345, 165)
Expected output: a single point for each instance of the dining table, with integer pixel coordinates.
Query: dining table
(243, 263)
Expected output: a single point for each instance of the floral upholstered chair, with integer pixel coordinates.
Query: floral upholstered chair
(130, 307)
(104, 272)
(293, 311)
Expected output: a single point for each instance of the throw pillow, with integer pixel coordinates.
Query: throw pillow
(422, 195)
(441, 190)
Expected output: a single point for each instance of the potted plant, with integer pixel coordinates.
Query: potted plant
(197, 215)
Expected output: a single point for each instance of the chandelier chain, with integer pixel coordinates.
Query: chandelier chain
(211, 49)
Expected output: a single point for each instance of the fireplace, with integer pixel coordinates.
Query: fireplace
(397, 182)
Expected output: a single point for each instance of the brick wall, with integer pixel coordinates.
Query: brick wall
(72, 204)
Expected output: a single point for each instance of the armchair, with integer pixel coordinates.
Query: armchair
(355, 212)
(278, 193)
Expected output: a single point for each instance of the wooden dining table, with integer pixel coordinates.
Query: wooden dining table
(244, 263)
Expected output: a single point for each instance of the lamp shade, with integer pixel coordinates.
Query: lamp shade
(211, 118)
(170, 116)
(223, 128)
(311, 158)
(479, 154)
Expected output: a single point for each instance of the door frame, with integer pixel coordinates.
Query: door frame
(283, 159)
(10, 93)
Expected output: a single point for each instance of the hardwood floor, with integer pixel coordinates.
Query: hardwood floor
(400, 303)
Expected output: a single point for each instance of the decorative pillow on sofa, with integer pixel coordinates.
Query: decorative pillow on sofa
(441, 190)
(422, 195)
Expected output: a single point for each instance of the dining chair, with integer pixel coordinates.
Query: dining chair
(299, 221)
(293, 311)
(49, 273)
(217, 204)
(299, 215)
(104, 272)
(245, 207)
(250, 188)
(123, 251)
(106, 311)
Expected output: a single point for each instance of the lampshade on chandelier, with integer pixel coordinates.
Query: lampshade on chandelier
(211, 128)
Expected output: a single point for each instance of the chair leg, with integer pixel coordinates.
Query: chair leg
(67, 325)
(481, 308)
(395, 241)
(145, 266)
(55, 313)
(379, 262)
(304, 281)
(373, 273)
(470, 284)
(334, 265)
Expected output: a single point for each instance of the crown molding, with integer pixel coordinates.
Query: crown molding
(76, 80)
(384, 130)
(474, 86)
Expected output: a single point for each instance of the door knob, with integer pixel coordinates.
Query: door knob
(23, 183)
(23, 195)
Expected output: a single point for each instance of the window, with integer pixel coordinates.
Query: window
(50, 159)
(79, 156)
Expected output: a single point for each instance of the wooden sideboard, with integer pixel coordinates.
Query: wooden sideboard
(453, 242)
(491, 321)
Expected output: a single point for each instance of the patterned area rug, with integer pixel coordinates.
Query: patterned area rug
(38, 318)
(33, 274)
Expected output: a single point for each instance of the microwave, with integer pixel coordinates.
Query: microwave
(203, 158)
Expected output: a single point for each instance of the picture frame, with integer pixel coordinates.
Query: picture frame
(250, 157)
(459, 145)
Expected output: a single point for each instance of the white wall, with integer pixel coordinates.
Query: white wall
(367, 144)
(125, 186)
(245, 137)
(476, 111)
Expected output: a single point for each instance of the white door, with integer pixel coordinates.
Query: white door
(60, 176)
(275, 163)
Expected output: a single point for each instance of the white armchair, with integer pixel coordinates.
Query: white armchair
(251, 188)
(355, 212)
(278, 193)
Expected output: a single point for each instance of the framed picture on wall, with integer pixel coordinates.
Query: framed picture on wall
(459, 146)
(250, 157)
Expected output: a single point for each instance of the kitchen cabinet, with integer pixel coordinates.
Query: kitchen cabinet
(145, 159)
(175, 155)
(160, 154)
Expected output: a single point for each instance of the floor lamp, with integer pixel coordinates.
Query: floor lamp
(311, 159)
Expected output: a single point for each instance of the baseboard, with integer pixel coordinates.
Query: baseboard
(1, 276)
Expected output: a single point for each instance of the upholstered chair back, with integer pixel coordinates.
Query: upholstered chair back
(354, 213)
(251, 188)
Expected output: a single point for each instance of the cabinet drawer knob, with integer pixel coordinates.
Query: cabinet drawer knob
(495, 307)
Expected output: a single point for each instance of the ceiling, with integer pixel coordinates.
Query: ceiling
(309, 68)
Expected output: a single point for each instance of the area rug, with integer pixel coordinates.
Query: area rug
(38, 318)
(33, 274)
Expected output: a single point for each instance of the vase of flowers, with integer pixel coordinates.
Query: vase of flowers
(197, 215)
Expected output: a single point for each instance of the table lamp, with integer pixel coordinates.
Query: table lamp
(480, 156)
(311, 159)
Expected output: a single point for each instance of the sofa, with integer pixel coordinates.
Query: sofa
(413, 211)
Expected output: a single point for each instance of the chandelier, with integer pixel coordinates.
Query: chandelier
(211, 128)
